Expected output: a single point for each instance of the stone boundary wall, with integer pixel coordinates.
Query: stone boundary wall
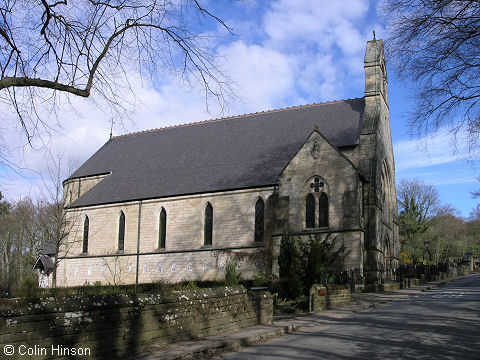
(415, 279)
(458, 269)
(118, 326)
(322, 297)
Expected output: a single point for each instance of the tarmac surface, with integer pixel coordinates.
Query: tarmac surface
(285, 324)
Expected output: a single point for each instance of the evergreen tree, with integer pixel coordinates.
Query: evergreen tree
(321, 257)
(4, 206)
(290, 267)
(303, 264)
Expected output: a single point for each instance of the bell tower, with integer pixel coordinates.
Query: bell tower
(377, 164)
(376, 84)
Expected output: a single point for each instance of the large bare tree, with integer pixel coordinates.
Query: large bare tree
(55, 223)
(434, 45)
(20, 239)
(418, 204)
(85, 47)
(26, 227)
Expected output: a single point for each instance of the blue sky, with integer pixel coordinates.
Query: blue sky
(283, 53)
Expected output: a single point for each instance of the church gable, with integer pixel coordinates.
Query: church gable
(321, 178)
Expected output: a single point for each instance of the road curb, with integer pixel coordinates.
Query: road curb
(218, 346)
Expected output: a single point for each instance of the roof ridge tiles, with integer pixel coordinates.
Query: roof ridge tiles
(236, 117)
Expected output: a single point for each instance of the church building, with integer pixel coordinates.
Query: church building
(179, 203)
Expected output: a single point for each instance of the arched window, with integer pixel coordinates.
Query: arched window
(86, 224)
(310, 211)
(259, 220)
(162, 229)
(208, 225)
(323, 210)
(386, 191)
(121, 232)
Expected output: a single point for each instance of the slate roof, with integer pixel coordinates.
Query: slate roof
(43, 261)
(47, 248)
(233, 153)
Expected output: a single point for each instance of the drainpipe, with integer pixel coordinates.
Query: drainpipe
(138, 242)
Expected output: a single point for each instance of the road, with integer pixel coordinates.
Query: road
(443, 323)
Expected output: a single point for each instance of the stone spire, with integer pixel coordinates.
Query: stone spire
(376, 94)
(375, 70)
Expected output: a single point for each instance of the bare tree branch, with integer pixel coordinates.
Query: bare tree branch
(434, 47)
(77, 47)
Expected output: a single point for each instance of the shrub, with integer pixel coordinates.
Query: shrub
(231, 275)
(290, 268)
(29, 286)
(186, 285)
(320, 258)
(307, 263)
(405, 257)
(260, 279)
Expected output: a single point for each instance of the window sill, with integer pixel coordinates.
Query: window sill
(160, 250)
(312, 230)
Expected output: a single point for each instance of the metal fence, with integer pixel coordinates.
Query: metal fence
(355, 277)
(416, 271)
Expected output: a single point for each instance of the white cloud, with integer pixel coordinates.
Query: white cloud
(299, 52)
(429, 151)
(319, 77)
(405, 161)
(292, 22)
(455, 180)
(327, 44)
(264, 77)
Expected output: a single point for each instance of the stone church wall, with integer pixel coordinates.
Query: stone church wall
(166, 267)
(341, 184)
(185, 256)
(74, 188)
(318, 158)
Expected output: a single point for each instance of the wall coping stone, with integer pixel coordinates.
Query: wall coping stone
(18, 307)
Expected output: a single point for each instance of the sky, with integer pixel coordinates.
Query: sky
(282, 53)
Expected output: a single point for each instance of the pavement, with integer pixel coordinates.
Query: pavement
(282, 324)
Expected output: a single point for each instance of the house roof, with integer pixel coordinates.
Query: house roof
(47, 248)
(232, 153)
(43, 261)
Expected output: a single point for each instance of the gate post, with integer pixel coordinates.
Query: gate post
(312, 302)
(352, 282)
